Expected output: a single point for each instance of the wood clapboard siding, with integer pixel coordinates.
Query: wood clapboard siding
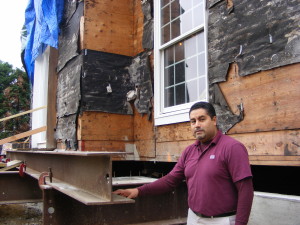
(271, 98)
(172, 140)
(171, 151)
(174, 132)
(108, 26)
(272, 143)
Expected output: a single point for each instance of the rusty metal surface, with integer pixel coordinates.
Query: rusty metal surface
(16, 189)
(84, 176)
(65, 210)
(49, 206)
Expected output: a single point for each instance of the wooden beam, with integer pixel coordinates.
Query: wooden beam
(22, 113)
(52, 89)
(22, 135)
(11, 165)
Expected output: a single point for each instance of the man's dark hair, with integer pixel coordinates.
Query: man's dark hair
(204, 105)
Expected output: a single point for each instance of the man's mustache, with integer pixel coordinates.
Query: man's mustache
(196, 130)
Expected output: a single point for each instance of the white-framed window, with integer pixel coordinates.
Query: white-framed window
(180, 65)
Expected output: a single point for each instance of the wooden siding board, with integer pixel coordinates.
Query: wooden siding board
(144, 134)
(171, 151)
(145, 148)
(270, 98)
(111, 146)
(273, 143)
(92, 7)
(275, 163)
(174, 132)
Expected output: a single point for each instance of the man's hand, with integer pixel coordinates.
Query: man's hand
(128, 193)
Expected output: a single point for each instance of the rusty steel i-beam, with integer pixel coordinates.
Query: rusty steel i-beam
(84, 176)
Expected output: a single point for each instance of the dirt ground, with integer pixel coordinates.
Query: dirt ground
(21, 214)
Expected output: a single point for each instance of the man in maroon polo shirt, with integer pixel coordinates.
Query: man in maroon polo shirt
(217, 172)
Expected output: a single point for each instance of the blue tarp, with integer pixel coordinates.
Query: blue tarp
(42, 19)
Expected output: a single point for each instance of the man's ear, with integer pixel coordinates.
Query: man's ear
(214, 119)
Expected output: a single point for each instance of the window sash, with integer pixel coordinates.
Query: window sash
(179, 111)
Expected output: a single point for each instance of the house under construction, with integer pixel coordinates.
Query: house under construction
(118, 87)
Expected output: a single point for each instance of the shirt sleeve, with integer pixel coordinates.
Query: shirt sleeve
(245, 198)
(238, 162)
(166, 183)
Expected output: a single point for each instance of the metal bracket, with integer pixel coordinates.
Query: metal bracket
(42, 179)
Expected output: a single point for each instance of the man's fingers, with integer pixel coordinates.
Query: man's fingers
(119, 191)
(128, 193)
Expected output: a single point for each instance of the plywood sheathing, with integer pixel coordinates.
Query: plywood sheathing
(144, 134)
(108, 26)
(105, 126)
(260, 35)
(69, 36)
(99, 131)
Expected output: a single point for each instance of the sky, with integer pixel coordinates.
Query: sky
(12, 17)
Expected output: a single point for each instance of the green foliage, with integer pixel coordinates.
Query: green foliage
(15, 95)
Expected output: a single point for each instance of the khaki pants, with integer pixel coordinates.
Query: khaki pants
(193, 219)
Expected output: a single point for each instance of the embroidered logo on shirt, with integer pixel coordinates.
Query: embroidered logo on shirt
(212, 156)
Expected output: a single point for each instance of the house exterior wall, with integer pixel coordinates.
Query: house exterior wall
(257, 101)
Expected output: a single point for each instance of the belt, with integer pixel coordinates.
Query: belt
(220, 215)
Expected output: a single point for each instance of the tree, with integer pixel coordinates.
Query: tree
(15, 95)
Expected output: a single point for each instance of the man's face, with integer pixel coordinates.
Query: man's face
(203, 127)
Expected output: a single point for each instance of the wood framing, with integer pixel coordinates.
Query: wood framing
(51, 109)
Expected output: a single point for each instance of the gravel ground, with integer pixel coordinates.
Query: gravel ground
(21, 214)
